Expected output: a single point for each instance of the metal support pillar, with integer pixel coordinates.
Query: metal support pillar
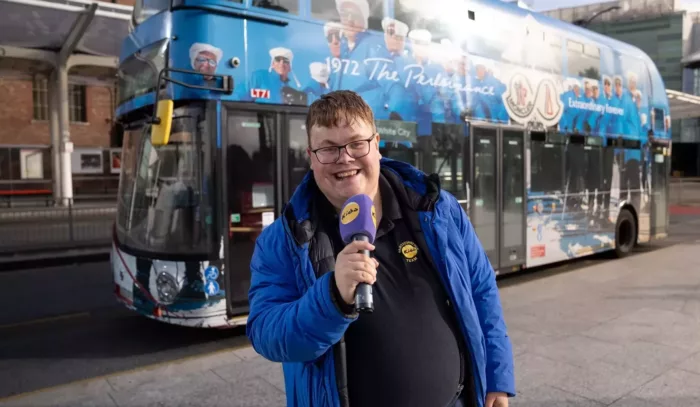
(66, 149)
(55, 131)
(66, 145)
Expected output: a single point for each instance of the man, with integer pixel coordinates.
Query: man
(204, 59)
(277, 78)
(437, 332)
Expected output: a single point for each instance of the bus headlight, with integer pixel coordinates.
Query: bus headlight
(167, 288)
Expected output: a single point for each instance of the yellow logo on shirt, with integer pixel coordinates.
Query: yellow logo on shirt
(409, 250)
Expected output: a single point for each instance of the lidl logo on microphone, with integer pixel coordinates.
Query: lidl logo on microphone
(349, 213)
(409, 250)
(374, 216)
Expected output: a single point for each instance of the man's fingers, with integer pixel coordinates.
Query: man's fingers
(356, 246)
(362, 276)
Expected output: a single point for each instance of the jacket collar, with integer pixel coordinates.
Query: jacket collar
(412, 187)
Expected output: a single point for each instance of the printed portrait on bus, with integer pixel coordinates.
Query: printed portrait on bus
(318, 85)
(349, 70)
(205, 58)
(458, 98)
(387, 63)
(277, 84)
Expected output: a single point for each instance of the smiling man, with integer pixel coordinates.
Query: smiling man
(437, 335)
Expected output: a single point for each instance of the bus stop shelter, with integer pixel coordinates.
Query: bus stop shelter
(683, 105)
(55, 38)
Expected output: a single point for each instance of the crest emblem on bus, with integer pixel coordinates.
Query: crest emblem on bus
(533, 101)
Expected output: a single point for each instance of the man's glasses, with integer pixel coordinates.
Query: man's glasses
(202, 60)
(355, 149)
(333, 36)
(282, 59)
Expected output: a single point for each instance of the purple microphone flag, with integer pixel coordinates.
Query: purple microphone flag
(358, 217)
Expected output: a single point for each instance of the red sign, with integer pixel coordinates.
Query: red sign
(260, 93)
(537, 251)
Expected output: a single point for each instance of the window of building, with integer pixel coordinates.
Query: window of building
(372, 14)
(286, 6)
(77, 111)
(40, 97)
(584, 60)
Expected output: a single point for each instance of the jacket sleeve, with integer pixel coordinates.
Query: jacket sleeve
(285, 325)
(500, 375)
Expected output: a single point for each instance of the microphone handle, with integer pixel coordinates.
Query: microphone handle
(364, 301)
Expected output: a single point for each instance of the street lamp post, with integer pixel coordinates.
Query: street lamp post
(583, 22)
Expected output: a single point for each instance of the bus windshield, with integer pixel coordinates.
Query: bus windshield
(147, 8)
(164, 203)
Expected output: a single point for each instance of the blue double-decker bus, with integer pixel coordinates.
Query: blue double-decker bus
(555, 139)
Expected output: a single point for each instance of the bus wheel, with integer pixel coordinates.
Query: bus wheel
(625, 233)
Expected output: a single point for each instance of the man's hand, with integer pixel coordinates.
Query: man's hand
(352, 268)
(496, 400)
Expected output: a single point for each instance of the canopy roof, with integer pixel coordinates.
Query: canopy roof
(37, 35)
(683, 105)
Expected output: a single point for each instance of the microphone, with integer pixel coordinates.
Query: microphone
(358, 221)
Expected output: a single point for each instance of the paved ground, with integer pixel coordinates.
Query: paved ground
(613, 333)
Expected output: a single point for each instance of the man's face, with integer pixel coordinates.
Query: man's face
(351, 17)
(394, 43)
(421, 50)
(577, 90)
(480, 72)
(205, 63)
(608, 89)
(633, 85)
(334, 42)
(596, 92)
(618, 89)
(347, 176)
(281, 65)
(588, 91)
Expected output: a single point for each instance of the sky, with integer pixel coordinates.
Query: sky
(540, 5)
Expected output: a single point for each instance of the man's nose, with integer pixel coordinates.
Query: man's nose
(345, 157)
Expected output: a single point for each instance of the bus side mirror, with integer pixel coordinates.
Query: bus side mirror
(160, 130)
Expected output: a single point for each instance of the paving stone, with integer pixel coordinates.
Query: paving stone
(673, 388)
(648, 357)
(577, 350)
(600, 381)
(547, 396)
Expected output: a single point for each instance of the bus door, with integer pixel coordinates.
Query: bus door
(265, 155)
(660, 157)
(497, 204)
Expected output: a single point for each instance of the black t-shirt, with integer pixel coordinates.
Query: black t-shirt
(407, 352)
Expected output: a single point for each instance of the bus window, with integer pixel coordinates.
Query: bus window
(298, 163)
(584, 60)
(422, 16)
(286, 6)
(369, 15)
(546, 166)
(549, 60)
(144, 9)
(138, 74)
(164, 200)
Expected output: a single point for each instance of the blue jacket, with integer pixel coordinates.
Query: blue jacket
(294, 319)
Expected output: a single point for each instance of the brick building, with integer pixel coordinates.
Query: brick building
(24, 128)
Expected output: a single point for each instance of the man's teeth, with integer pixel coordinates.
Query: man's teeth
(346, 174)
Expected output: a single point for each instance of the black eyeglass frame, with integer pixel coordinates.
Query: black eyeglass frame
(344, 146)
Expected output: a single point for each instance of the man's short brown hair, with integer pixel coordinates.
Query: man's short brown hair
(340, 107)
